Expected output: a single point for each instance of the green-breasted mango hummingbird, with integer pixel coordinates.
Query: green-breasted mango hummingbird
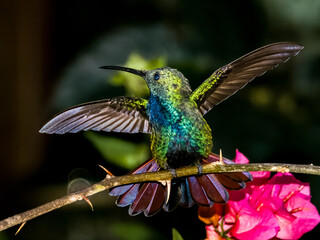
(180, 136)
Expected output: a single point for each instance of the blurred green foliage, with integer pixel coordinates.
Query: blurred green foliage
(176, 235)
(122, 153)
(3, 236)
(132, 231)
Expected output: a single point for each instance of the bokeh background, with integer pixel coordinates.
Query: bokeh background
(50, 52)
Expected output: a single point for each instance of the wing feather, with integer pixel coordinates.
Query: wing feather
(228, 79)
(120, 114)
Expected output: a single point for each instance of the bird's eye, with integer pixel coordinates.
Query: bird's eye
(156, 76)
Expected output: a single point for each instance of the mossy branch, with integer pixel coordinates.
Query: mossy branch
(110, 182)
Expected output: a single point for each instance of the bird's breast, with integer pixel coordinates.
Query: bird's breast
(180, 134)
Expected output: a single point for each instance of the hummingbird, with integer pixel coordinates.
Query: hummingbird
(180, 136)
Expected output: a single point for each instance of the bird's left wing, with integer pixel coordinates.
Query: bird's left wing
(228, 79)
(119, 114)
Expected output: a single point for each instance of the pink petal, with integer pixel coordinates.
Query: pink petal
(233, 207)
(296, 200)
(240, 158)
(265, 225)
(307, 217)
(257, 194)
(276, 206)
(285, 184)
(247, 219)
(259, 178)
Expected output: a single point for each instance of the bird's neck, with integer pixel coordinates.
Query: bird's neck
(166, 111)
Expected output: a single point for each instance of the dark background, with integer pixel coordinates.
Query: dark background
(50, 53)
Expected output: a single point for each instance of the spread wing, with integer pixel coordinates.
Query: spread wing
(120, 114)
(228, 79)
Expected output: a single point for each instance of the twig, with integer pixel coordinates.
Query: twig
(146, 177)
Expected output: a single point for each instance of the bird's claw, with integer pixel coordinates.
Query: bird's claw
(167, 185)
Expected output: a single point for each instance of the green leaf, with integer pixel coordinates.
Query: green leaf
(119, 152)
(176, 235)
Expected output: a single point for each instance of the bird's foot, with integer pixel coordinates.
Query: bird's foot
(200, 168)
(173, 172)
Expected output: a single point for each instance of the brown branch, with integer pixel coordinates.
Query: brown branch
(146, 177)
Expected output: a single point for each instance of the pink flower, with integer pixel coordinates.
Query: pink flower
(278, 207)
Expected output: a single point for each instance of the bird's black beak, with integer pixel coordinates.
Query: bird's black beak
(140, 73)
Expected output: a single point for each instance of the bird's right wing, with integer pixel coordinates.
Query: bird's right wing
(119, 114)
(228, 79)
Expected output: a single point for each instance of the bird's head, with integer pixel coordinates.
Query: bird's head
(162, 82)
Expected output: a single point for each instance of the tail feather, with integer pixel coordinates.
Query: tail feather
(198, 194)
(239, 176)
(142, 197)
(186, 198)
(213, 188)
(203, 190)
(176, 195)
(229, 182)
(148, 166)
(142, 200)
(149, 200)
(157, 199)
(129, 196)
(117, 191)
